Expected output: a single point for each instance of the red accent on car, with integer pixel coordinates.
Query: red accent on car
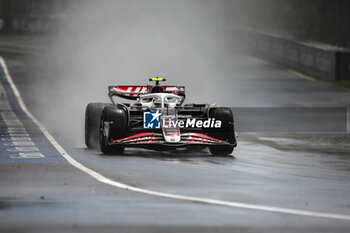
(134, 136)
(136, 91)
(205, 136)
(144, 138)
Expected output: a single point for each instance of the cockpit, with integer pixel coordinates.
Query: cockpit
(160, 100)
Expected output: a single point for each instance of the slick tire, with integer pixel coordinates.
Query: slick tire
(225, 133)
(92, 124)
(118, 122)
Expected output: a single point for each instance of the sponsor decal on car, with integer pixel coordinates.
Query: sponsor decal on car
(154, 120)
(151, 120)
(192, 123)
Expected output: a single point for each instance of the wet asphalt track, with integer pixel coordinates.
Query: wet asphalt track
(289, 170)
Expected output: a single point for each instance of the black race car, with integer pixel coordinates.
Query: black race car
(158, 120)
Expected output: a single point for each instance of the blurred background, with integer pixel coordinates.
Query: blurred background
(86, 45)
(325, 21)
(282, 66)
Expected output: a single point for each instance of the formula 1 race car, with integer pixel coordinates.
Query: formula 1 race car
(158, 120)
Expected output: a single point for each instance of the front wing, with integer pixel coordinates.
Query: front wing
(187, 139)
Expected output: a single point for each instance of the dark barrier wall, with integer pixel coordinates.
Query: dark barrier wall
(28, 25)
(327, 64)
(326, 21)
(31, 16)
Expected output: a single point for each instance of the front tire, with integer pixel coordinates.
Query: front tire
(116, 117)
(225, 133)
(92, 124)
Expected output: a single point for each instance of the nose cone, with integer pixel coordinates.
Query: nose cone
(171, 130)
(172, 138)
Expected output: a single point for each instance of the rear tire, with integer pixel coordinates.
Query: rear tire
(225, 133)
(92, 123)
(117, 129)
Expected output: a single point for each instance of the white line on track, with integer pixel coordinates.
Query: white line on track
(108, 181)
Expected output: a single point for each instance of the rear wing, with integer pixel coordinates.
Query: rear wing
(134, 92)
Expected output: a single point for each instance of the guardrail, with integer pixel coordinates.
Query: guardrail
(331, 64)
(28, 25)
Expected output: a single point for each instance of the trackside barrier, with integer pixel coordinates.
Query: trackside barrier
(331, 64)
(28, 25)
